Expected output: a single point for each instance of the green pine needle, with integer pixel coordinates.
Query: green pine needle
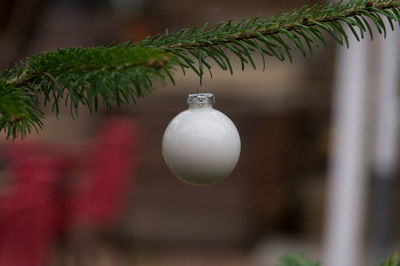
(296, 260)
(392, 261)
(119, 74)
(300, 260)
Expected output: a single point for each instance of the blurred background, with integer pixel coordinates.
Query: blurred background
(317, 173)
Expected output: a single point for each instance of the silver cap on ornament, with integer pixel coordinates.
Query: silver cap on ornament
(201, 99)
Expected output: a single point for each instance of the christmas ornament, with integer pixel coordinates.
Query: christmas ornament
(201, 145)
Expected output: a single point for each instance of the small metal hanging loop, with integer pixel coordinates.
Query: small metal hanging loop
(201, 86)
(200, 89)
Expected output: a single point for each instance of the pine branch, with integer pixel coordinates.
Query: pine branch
(19, 110)
(300, 260)
(314, 17)
(392, 261)
(296, 260)
(119, 74)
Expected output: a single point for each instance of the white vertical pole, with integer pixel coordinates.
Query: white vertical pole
(387, 131)
(388, 103)
(347, 173)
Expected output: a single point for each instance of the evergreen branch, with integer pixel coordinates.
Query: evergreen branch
(314, 17)
(392, 261)
(278, 36)
(300, 260)
(75, 76)
(296, 260)
(119, 74)
(19, 110)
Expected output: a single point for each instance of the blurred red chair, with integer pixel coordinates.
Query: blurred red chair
(108, 174)
(29, 211)
(41, 208)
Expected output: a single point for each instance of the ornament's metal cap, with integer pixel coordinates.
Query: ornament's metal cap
(201, 98)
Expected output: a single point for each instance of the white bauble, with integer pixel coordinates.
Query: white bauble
(201, 145)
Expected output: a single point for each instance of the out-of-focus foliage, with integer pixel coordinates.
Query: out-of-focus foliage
(301, 260)
(392, 261)
(296, 260)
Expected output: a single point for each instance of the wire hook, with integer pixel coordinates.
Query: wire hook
(201, 87)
